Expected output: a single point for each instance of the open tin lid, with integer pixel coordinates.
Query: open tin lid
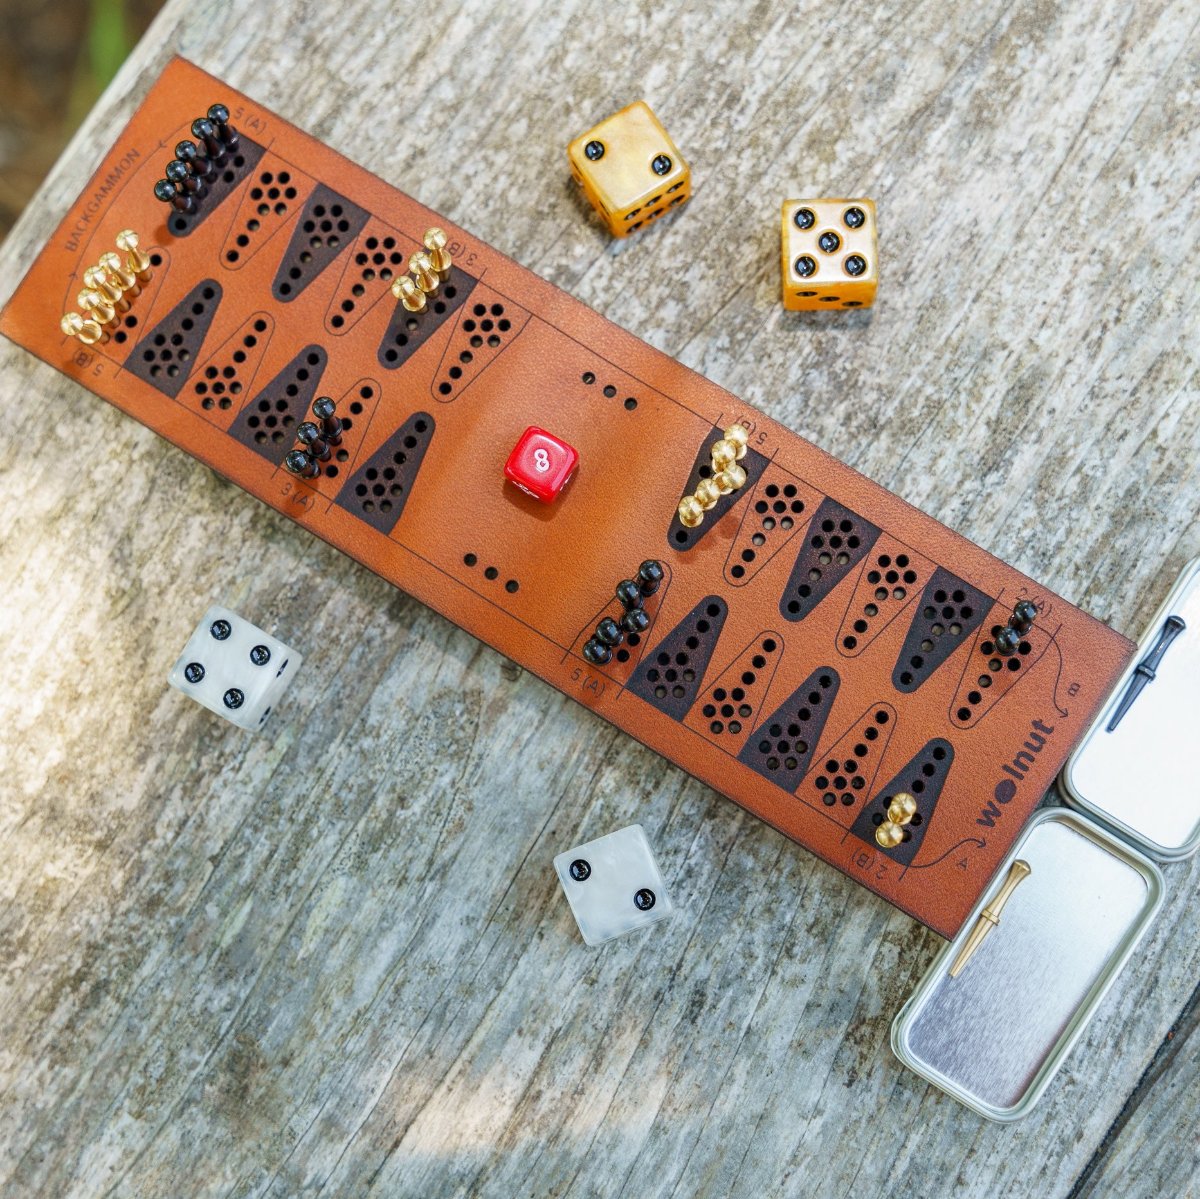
(1135, 769)
(1003, 1003)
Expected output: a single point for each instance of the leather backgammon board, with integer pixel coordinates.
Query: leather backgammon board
(816, 644)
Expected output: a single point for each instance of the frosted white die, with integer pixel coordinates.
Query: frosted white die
(234, 669)
(617, 888)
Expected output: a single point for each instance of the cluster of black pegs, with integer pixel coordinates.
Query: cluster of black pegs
(190, 172)
(318, 440)
(1008, 639)
(631, 593)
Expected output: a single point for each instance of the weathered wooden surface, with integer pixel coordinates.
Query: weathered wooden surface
(334, 959)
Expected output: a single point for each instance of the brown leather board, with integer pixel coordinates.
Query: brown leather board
(817, 643)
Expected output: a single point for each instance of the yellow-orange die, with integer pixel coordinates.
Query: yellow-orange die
(629, 169)
(830, 254)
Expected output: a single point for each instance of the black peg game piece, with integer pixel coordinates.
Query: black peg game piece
(1024, 614)
(201, 165)
(649, 576)
(635, 621)
(596, 652)
(168, 193)
(331, 425)
(309, 435)
(180, 174)
(1147, 669)
(302, 463)
(203, 130)
(218, 114)
(1006, 641)
(629, 593)
(608, 632)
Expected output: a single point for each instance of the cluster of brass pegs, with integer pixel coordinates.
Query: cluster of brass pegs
(108, 288)
(428, 269)
(727, 476)
(900, 812)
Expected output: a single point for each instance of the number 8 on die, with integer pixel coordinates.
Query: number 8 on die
(541, 465)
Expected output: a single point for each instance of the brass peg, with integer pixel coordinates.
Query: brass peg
(97, 279)
(889, 834)
(96, 306)
(724, 453)
(439, 256)
(900, 811)
(88, 332)
(735, 476)
(707, 493)
(408, 293)
(691, 512)
(118, 274)
(423, 272)
(989, 918)
(136, 259)
(902, 808)
(740, 436)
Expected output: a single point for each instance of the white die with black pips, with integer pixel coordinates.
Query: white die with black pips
(613, 885)
(234, 669)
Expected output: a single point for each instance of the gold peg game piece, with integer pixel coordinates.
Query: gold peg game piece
(727, 476)
(439, 257)
(119, 275)
(408, 293)
(136, 258)
(96, 306)
(423, 272)
(97, 279)
(901, 809)
(724, 453)
(691, 512)
(989, 918)
(888, 835)
(88, 332)
(740, 436)
(707, 493)
(735, 476)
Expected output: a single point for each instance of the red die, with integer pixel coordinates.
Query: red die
(541, 465)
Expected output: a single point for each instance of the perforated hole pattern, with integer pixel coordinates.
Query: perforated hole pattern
(492, 574)
(167, 355)
(271, 194)
(947, 614)
(726, 709)
(610, 391)
(272, 421)
(995, 665)
(325, 229)
(892, 579)
(832, 543)
(413, 322)
(842, 779)
(486, 326)
(219, 385)
(669, 674)
(378, 259)
(923, 771)
(383, 488)
(782, 744)
(777, 509)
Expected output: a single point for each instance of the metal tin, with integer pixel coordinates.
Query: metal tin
(995, 1036)
(1140, 780)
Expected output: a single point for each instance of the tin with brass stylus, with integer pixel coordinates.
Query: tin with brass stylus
(1003, 1003)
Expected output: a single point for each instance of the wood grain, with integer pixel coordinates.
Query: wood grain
(334, 959)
